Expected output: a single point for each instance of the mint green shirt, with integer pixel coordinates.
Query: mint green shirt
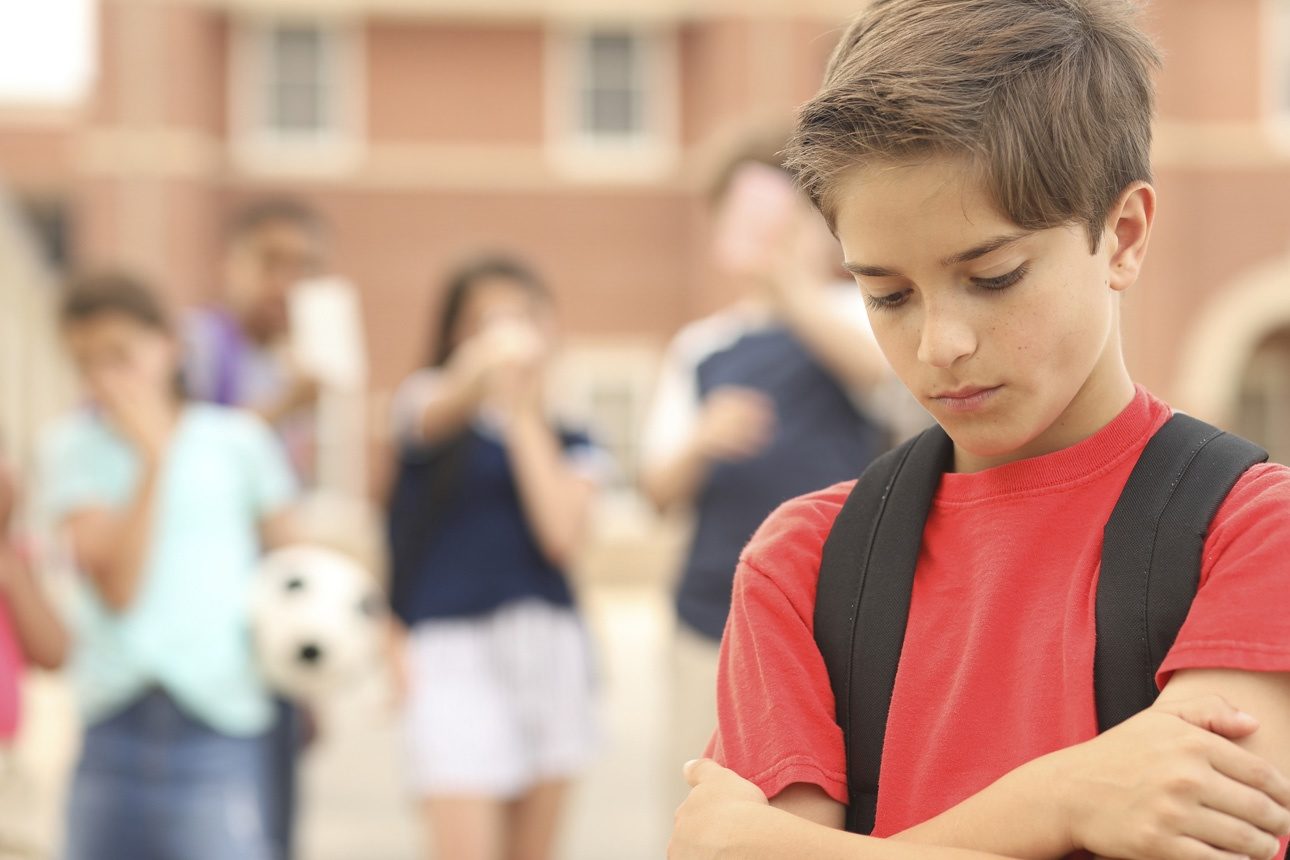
(187, 628)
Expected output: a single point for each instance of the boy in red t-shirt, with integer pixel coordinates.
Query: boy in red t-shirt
(985, 166)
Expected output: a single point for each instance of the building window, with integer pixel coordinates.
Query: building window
(612, 101)
(296, 90)
(1263, 405)
(613, 85)
(299, 85)
(1276, 37)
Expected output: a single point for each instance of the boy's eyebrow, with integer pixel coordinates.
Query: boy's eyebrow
(867, 271)
(985, 248)
(970, 254)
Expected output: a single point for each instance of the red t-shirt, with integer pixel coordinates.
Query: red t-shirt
(997, 666)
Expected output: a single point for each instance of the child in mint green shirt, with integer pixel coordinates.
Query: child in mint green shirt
(167, 506)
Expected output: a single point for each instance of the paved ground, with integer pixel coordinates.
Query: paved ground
(354, 806)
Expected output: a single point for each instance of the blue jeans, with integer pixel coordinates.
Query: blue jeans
(281, 749)
(155, 784)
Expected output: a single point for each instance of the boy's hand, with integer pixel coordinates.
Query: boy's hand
(708, 823)
(735, 424)
(1169, 784)
(144, 416)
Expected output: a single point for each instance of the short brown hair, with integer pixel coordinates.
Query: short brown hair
(1051, 101)
(90, 295)
(275, 210)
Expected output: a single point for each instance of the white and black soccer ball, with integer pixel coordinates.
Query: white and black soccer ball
(317, 619)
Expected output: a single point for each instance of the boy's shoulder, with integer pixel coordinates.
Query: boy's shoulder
(714, 333)
(229, 423)
(74, 431)
(1259, 500)
(788, 545)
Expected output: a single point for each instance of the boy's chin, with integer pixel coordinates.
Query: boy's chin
(991, 447)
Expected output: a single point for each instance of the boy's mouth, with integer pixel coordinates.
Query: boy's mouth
(966, 399)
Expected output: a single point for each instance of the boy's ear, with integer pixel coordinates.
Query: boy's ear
(1128, 228)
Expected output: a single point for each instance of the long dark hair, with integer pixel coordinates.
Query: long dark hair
(462, 281)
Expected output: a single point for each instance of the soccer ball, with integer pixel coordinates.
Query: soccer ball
(317, 619)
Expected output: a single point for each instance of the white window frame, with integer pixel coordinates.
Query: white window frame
(260, 148)
(645, 157)
(1276, 70)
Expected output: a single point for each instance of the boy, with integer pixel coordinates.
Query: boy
(236, 352)
(985, 166)
(236, 355)
(764, 400)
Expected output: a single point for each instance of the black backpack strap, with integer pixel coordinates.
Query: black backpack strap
(1151, 556)
(866, 581)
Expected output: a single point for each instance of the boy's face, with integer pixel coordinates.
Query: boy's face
(1014, 351)
(262, 266)
(114, 349)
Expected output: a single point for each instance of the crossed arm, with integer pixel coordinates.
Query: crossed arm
(1191, 779)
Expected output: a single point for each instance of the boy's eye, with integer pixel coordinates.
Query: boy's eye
(887, 302)
(1003, 281)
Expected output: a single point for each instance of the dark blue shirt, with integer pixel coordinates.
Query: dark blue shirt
(460, 543)
(821, 437)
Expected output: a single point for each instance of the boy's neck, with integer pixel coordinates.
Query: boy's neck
(1094, 406)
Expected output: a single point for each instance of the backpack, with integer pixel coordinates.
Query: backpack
(1150, 570)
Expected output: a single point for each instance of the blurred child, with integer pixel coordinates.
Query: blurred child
(30, 634)
(236, 351)
(237, 354)
(487, 512)
(167, 506)
(766, 399)
(30, 631)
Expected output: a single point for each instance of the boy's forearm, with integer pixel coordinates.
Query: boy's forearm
(773, 834)
(1020, 815)
(677, 480)
(121, 568)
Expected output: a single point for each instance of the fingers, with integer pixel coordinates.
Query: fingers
(1186, 848)
(1212, 713)
(738, 423)
(1255, 772)
(699, 769)
(1248, 807)
(1227, 833)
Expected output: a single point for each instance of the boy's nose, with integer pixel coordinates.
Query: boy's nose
(944, 340)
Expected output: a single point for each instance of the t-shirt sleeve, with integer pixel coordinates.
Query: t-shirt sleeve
(272, 483)
(674, 410)
(1239, 619)
(76, 474)
(775, 710)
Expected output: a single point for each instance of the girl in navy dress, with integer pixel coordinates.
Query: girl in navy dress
(488, 510)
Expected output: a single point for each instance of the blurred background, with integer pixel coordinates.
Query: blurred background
(583, 135)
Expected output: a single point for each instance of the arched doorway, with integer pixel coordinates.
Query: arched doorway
(1262, 411)
(1229, 363)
